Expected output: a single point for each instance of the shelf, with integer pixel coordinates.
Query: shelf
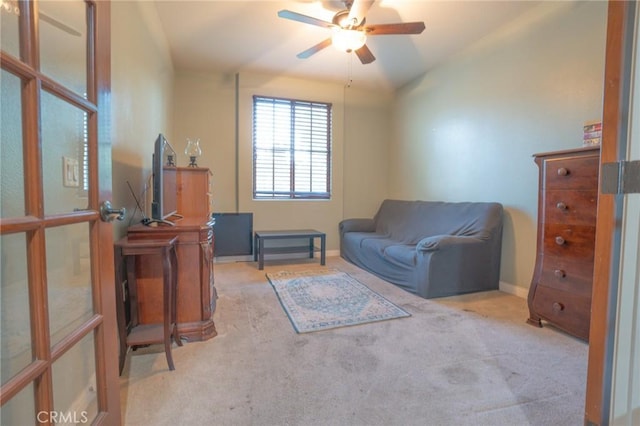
(288, 249)
(146, 334)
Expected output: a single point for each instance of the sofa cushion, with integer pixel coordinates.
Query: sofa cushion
(409, 222)
(356, 239)
(401, 253)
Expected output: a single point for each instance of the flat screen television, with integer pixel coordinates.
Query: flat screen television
(165, 201)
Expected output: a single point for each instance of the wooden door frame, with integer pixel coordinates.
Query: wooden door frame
(109, 401)
(620, 26)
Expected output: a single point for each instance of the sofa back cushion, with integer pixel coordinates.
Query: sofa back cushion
(410, 221)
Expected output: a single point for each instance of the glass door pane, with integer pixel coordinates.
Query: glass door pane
(9, 40)
(15, 324)
(68, 279)
(63, 42)
(64, 141)
(11, 161)
(19, 408)
(74, 384)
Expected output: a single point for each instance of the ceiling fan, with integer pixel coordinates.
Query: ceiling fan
(349, 30)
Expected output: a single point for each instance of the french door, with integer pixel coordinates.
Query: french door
(58, 329)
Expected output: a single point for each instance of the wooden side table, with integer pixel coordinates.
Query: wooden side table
(135, 334)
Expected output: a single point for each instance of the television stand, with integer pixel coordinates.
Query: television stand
(196, 293)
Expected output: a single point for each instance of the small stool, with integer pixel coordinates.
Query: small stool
(125, 251)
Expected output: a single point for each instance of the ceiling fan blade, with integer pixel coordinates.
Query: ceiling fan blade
(294, 16)
(314, 49)
(358, 11)
(365, 55)
(400, 28)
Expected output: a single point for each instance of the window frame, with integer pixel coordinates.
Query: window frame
(313, 135)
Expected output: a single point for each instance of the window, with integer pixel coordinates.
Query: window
(291, 149)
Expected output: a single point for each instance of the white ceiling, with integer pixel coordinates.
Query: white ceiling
(232, 36)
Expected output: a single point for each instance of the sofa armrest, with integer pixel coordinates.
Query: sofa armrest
(357, 225)
(454, 264)
(441, 242)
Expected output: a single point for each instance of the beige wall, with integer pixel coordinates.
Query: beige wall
(141, 102)
(466, 131)
(205, 108)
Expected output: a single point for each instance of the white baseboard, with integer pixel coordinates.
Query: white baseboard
(513, 289)
(249, 258)
(503, 285)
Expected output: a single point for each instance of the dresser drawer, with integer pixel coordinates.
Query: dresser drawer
(567, 275)
(571, 173)
(571, 207)
(574, 242)
(566, 310)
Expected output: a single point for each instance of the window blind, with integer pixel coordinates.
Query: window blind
(291, 149)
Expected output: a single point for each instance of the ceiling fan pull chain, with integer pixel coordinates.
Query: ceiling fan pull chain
(349, 69)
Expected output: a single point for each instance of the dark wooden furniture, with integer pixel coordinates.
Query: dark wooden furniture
(194, 195)
(196, 291)
(261, 236)
(197, 295)
(126, 254)
(561, 288)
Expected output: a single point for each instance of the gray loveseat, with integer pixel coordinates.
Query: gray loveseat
(432, 249)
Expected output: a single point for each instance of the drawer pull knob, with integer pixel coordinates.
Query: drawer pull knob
(559, 273)
(557, 307)
(560, 241)
(561, 206)
(562, 171)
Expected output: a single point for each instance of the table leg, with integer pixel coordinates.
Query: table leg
(261, 253)
(174, 296)
(311, 248)
(322, 250)
(168, 306)
(255, 248)
(122, 326)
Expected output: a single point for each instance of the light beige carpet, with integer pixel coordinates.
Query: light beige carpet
(465, 360)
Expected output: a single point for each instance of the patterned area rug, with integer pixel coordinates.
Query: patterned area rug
(328, 298)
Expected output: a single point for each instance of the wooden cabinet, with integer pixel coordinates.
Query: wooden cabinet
(560, 291)
(194, 192)
(196, 293)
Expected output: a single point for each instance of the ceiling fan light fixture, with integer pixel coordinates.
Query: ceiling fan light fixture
(348, 40)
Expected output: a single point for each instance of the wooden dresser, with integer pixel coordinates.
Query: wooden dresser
(196, 293)
(560, 291)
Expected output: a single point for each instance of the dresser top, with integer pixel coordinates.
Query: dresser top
(594, 148)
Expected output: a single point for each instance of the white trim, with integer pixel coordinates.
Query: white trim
(513, 289)
(249, 258)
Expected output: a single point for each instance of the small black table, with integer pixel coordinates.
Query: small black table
(311, 234)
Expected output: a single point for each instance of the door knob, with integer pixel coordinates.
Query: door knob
(109, 214)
